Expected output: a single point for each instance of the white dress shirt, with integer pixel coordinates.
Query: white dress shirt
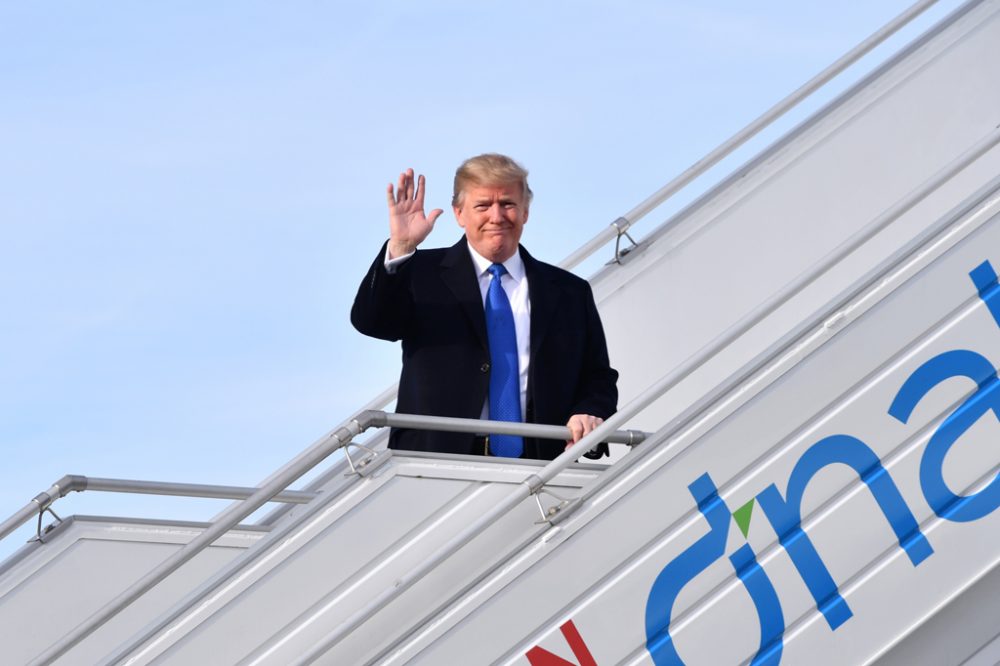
(515, 284)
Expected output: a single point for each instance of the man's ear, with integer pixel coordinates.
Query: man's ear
(458, 215)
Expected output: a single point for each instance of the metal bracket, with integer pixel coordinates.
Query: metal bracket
(38, 530)
(635, 437)
(621, 226)
(550, 513)
(371, 461)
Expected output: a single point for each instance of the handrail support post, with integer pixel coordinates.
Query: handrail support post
(621, 226)
(552, 511)
(38, 529)
(370, 461)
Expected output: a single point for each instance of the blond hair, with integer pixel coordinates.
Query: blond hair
(489, 169)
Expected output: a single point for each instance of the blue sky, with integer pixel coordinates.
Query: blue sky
(190, 193)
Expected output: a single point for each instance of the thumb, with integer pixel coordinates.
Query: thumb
(434, 215)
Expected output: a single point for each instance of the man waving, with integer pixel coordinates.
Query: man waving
(487, 330)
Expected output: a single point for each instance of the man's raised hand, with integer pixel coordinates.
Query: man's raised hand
(408, 226)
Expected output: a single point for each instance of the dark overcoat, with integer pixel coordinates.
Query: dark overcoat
(433, 304)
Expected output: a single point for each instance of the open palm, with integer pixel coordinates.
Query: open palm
(408, 226)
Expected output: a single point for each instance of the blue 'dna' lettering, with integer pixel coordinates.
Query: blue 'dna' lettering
(698, 557)
(966, 364)
(785, 516)
(785, 513)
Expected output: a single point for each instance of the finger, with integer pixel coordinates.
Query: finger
(434, 215)
(401, 187)
(390, 195)
(409, 184)
(420, 191)
(575, 429)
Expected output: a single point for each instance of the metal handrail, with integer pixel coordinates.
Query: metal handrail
(77, 483)
(450, 424)
(381, 401)
(228, 519)
(211, 491)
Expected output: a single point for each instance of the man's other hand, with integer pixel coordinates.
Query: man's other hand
(408, 226)
(581, 425)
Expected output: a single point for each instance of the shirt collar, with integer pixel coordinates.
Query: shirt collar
(514, 265)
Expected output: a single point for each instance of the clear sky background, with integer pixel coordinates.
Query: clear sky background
(191, 191)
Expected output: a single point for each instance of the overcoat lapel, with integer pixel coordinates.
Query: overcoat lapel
(459, 274)
(544, 292)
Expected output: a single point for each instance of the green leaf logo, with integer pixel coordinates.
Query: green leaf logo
(742, 517)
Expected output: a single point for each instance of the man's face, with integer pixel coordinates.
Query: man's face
(493, 217)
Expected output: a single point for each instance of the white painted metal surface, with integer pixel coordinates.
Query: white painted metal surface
(47, 589)
(344, 548)
(964, 631)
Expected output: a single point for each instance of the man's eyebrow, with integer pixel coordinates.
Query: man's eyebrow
(485, 201)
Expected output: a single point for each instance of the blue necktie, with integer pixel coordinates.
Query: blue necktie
(505, 383)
